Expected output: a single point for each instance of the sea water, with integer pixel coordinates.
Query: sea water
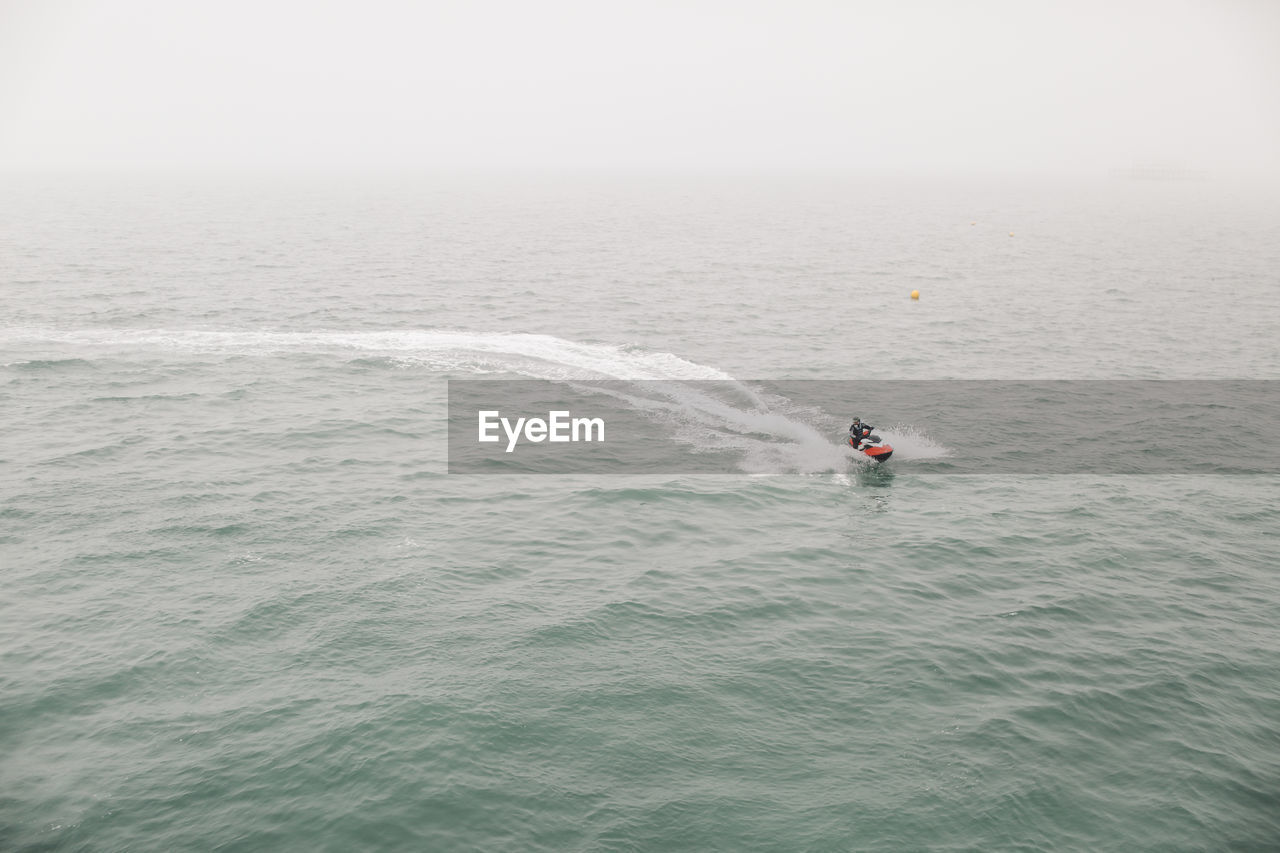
(246, 606)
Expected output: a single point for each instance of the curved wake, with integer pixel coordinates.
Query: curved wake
(702, 405)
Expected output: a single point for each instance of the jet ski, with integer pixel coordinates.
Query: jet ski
(872, 445)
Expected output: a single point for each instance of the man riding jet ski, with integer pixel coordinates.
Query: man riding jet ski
(861, 439)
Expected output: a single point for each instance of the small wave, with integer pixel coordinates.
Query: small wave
(50, 364)
(138, 398)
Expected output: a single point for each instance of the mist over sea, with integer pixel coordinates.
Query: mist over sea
(246, 608)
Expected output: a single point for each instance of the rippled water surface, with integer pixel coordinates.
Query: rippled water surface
(246, 608)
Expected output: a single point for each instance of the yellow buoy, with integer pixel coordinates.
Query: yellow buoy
(915, 294)
(1010, 233)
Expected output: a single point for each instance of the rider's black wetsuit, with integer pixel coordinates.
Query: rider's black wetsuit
(857, 432)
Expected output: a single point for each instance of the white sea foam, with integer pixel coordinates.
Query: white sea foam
(910, 443)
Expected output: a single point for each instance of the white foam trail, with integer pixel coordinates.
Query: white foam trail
(538, 356)
(727, 416)
(770, 442)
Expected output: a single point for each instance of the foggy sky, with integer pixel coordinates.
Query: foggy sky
(1078, 87)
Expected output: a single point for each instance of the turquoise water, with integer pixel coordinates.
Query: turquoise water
(246, 608)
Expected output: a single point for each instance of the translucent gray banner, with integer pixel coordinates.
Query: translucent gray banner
(800, 426)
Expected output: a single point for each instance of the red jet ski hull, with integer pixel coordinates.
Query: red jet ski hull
(879, 453)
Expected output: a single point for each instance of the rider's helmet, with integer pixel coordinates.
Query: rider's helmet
(857, 420)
